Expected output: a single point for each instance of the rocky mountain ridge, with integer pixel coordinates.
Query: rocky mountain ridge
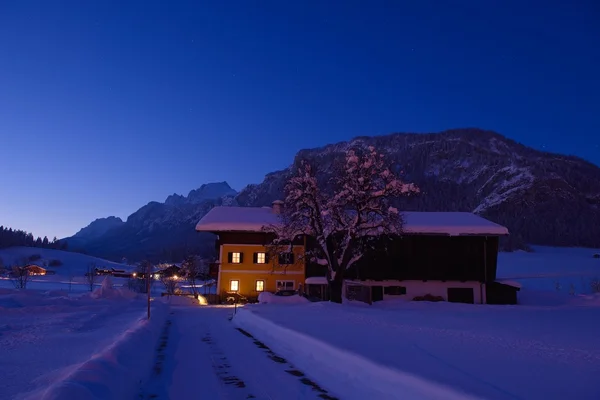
(543, 198)
(157, 231)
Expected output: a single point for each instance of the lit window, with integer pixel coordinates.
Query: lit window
(234, 286)
(260, 258)
(236, 258)
(260, 286)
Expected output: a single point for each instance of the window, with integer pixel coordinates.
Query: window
(260, 286)
(234, 286)
(235, 258)
(286, 258)
(285, 285)
(394, 290)
(260, 258)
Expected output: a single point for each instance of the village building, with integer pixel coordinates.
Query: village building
(449, 256)
(35, 270)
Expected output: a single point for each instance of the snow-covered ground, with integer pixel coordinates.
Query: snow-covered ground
(491, 352)
(546, 347)
(46, 336)
(205, 356)
(88, 344)
(555, 269)
(73, 264)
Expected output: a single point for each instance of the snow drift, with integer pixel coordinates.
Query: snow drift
(343, 371)
(119, 370)
(270, 298)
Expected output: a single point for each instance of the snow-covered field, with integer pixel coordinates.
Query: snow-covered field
(551, 269)
(47, 338)
(73, 264)
(545, 348)
(491, 352)
(57, 344)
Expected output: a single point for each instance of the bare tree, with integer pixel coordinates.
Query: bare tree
(194, 269)
(345, 223)
(170, 284)
(280, 254)
(90, 276)
(19, 274)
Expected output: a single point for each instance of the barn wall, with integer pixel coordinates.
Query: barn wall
(434, 288)
(421, 257)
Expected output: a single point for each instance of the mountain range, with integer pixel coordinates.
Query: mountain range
(543, 198)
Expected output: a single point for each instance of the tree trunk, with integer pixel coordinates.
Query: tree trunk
(336, 287)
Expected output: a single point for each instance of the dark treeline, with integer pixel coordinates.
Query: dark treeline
(14, 237)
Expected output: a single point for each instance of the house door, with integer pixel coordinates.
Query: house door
(461, 295)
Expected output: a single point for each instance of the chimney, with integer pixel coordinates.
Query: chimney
(277, 206)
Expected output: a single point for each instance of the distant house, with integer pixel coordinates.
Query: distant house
(170, 271)
(35, 270)
(443, 255)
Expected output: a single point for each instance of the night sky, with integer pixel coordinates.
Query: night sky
(107, 106)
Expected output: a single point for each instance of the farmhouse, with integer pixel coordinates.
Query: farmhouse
(449, 256)
(35, 270)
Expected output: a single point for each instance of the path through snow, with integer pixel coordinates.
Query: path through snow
(201, 353)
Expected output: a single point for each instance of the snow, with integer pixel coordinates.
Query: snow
(255, 219)
(47, 339)
(184, 300)
(207, 357)
(107, 291)
(510, 283)
(270, 298)
(75, 264)
(551, 269)
(507, 182)
(250, 219)
(422, 349)
(316, 280)
(348, 374)
(450, 223)
(118, 370)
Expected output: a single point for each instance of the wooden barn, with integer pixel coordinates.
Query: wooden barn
(450, 256)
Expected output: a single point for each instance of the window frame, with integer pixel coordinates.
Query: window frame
(256, 285)
(239, 257)
(231, 285)
(277, 288)
(288, 258)
(258, 256)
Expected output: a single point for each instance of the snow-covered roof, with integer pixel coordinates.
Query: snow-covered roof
(510, 283)
(237, 219)
(316, 280)
(253, 219)
(450, 223)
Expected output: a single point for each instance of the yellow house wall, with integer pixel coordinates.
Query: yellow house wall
(247, 272)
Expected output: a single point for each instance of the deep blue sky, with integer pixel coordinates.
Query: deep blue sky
(105, 106)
